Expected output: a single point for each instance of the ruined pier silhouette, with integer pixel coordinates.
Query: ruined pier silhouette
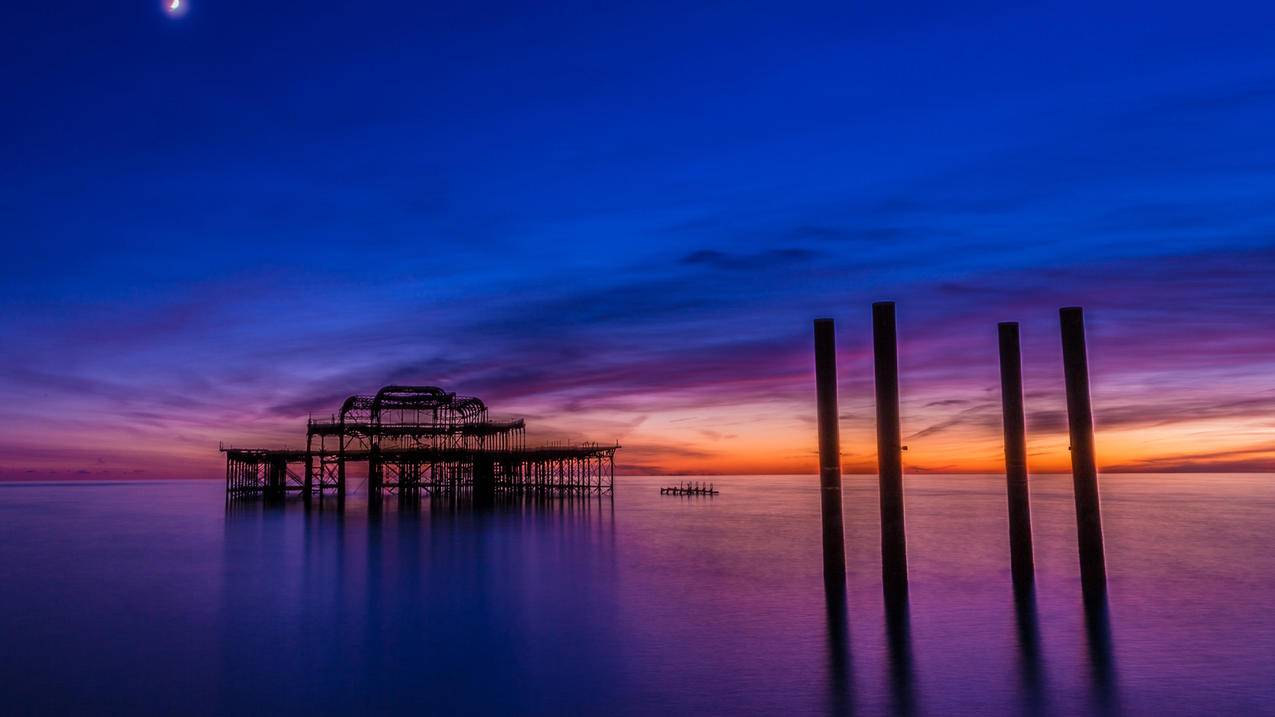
(414, 441)
(690, 488)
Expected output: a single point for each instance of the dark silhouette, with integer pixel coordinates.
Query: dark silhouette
(834, 548)
(1020, 517)
(1093, 567)
(689, 489)
(894, 557)
(893, 533)
(420, 440)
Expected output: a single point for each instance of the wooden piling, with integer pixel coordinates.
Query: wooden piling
(484, 482)
(340, 473)
(276, 479)
(374, 478)
(1084, 471)
(894, 558)
(834, 551)
(307, 489)
(1020, 518)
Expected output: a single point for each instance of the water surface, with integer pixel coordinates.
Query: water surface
(153, 598)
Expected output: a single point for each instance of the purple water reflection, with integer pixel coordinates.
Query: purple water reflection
(152, 598)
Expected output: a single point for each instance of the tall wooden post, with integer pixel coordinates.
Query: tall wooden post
(834, 551)
(1020, 517)
(894, 558)
(1084, 471)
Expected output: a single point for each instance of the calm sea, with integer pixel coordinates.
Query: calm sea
(153, 598)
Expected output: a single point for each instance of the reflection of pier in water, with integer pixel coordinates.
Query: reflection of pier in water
(415, 441)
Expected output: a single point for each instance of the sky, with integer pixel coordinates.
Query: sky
(619, 219)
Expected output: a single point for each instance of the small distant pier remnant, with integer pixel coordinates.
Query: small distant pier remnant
(417, 441)
(689, 489)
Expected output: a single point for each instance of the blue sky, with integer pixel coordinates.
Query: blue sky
(620, 221)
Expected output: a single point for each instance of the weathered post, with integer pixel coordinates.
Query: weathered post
(894, 557)
(1020, 516)
(1084, 471)
(834, 550)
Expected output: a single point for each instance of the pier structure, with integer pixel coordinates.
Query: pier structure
(414, 441)
(689, 488)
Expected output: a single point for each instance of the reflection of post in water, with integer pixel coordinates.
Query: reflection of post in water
(841, 680)
(899, 640)
(1029, 647)
(1101, 661)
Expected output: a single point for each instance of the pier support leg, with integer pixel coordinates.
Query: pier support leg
(894, 558)
(484, 482)
(1084, 471)
(1020, 517)
(340, 478)
(276, 478)
(374, 478)
(834, 550)
(307, 489)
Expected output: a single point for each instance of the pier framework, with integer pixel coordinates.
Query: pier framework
(414, 441)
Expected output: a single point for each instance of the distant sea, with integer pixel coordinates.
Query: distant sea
(155, 598)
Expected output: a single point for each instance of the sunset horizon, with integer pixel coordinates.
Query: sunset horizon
(1149, 415)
